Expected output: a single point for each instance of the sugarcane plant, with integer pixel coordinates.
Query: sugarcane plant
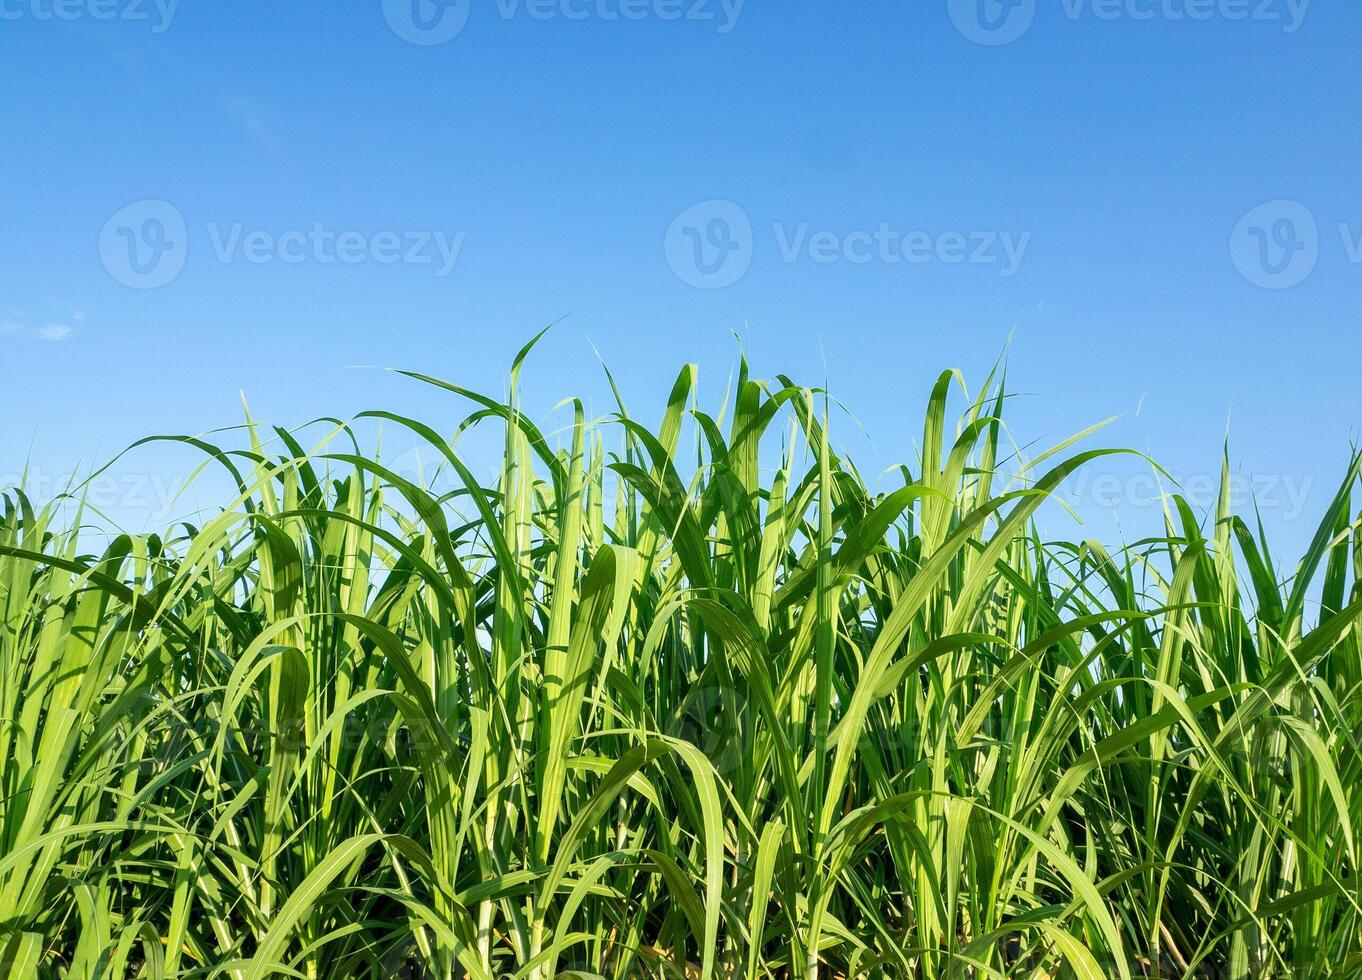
(694, 699)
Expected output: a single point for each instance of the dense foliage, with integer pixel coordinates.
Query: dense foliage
(693, 701)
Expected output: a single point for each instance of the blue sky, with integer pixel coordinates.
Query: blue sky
(1156, 199)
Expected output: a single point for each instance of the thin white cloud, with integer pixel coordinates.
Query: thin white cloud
(54, 332)
(244, 115)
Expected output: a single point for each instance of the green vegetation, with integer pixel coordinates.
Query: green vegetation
(693, 701)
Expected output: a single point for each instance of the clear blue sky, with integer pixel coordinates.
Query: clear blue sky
(1093, 186)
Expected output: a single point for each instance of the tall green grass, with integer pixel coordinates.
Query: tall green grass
(684, 701)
